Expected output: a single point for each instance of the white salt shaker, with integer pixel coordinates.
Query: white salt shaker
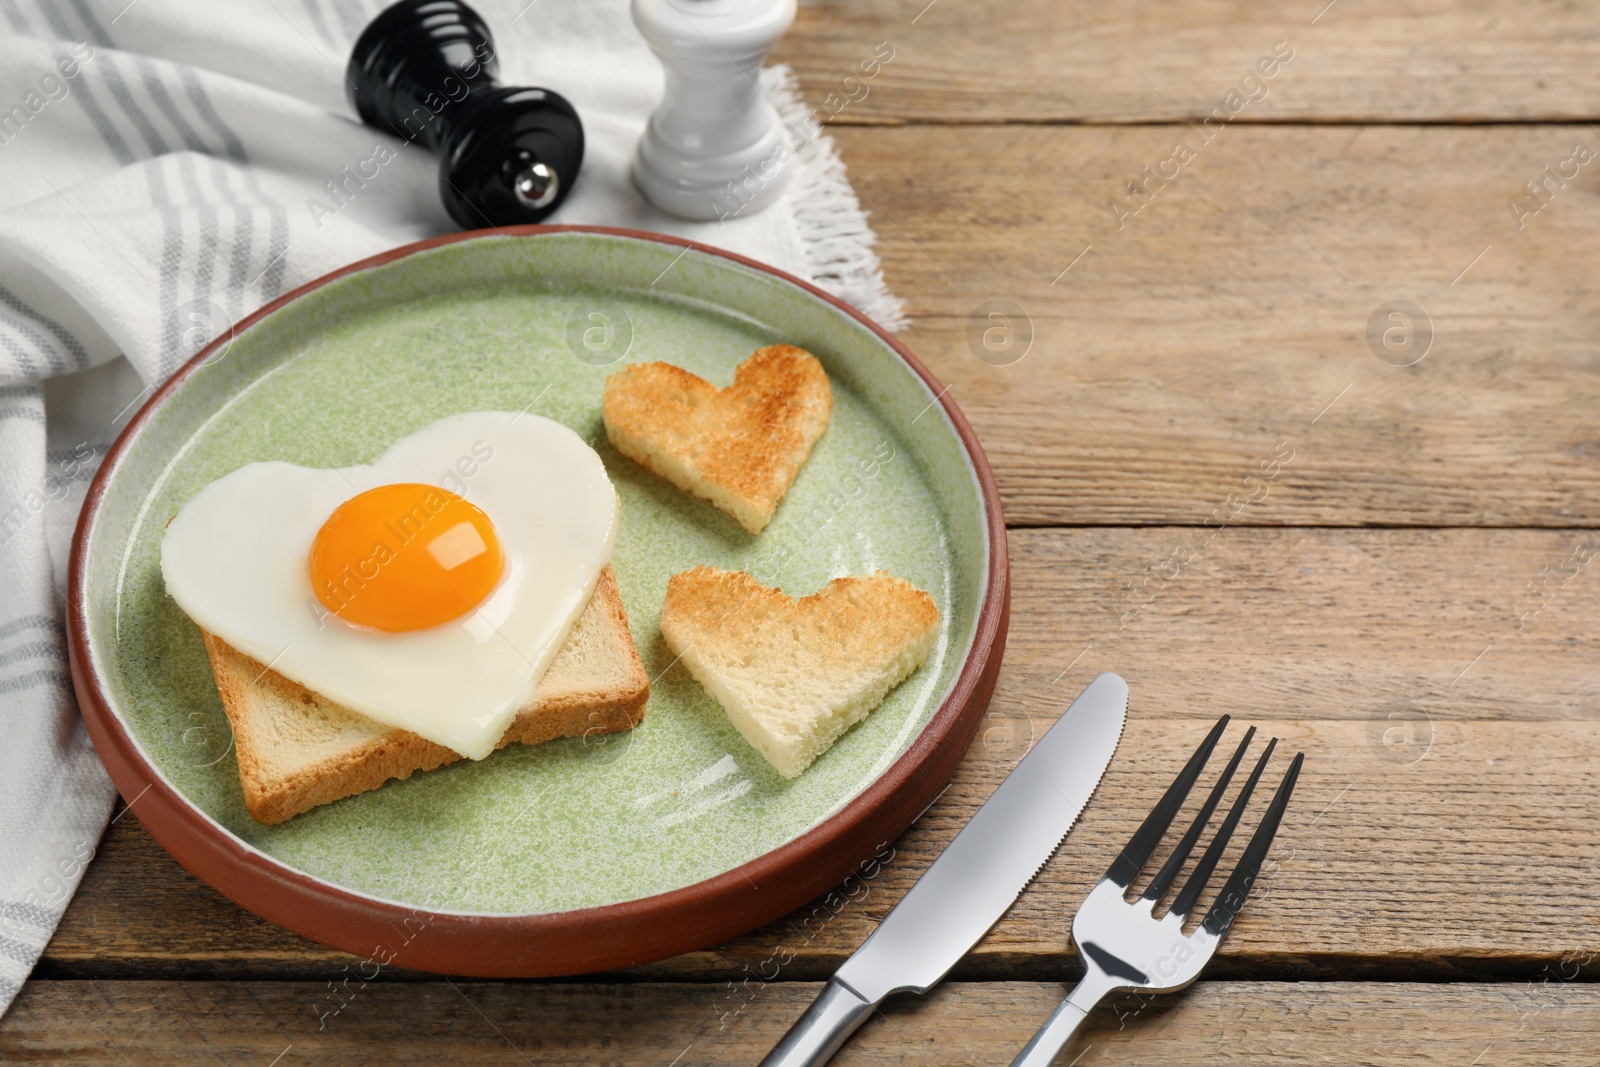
(714, 148)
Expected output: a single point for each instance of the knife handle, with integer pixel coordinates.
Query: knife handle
(836, 1014)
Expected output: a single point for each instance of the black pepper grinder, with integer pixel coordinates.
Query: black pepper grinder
(424, 70)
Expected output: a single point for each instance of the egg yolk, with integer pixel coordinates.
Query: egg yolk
(405, 557)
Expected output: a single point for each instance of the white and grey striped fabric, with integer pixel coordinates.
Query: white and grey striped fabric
(163, 170)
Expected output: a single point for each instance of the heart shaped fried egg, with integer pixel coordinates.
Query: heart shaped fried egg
(428, 590)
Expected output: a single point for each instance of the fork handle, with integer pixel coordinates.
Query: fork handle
(1042, 1049)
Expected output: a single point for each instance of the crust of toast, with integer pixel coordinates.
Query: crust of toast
(297, 750)
(738, 447)
(794, 675)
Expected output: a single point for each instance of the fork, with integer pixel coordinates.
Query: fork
(1124, 946)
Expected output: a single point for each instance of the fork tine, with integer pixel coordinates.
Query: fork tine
(1233, 894)
(1174, 864)
(1208, 863)
(1126, 867)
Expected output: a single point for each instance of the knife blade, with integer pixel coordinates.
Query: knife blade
(974, 881)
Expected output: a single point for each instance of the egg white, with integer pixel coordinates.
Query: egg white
(235, 558)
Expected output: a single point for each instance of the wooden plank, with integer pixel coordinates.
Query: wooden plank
(1441, 827)
(1100, 61)
(383, 1022)
(1228, 320)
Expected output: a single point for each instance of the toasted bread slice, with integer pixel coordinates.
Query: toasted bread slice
(794, 675)
(738, 447)
(297, 750)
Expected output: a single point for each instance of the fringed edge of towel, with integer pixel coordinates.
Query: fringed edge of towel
(838, 240)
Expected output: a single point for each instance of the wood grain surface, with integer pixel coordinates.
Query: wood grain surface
(1439, 830)
(1232, 313)
(989, 61)
(1547, 1023)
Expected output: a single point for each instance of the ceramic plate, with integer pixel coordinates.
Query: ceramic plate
(578, 854)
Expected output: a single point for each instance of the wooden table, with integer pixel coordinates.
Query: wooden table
(1409, 600)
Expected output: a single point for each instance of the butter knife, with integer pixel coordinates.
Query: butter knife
(972, 883)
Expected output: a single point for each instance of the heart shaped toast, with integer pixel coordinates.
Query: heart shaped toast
(794, 675)
(738, 447)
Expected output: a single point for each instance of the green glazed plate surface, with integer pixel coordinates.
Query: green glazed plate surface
(536, 324)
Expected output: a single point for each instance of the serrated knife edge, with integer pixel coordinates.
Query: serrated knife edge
(1073, 824)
